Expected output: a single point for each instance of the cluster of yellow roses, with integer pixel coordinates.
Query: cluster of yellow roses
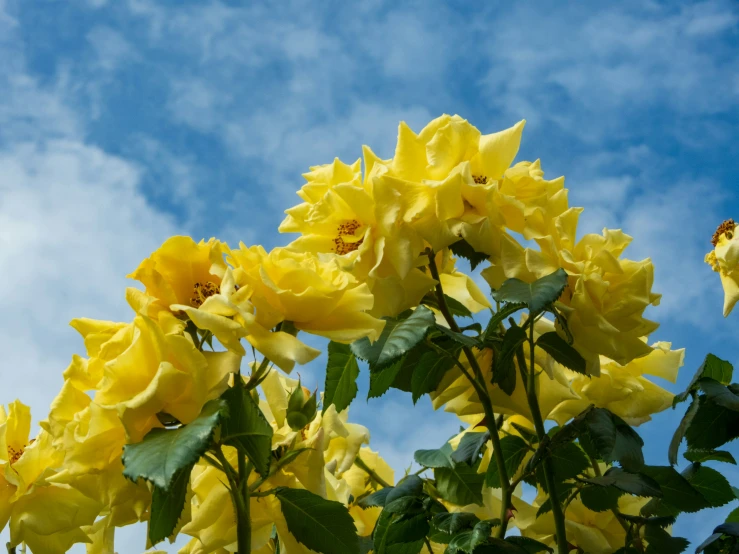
(364, 242)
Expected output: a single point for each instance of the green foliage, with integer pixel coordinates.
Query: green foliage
(563, 353)
(661, 542)
(530, 546)
(167, 506)
(600, 499)
(435, 458)
(382, 379)
(712, 425)
(537, 295)
(678, 495)
(165, 452)
(321, 525)
(456, 308)
(712, 485)
(467, 541)
(429, 371)
(514, 450)
(246, 428)
(447, 524)
(494, 323)
(399, 335)
(682, 428)
(459, 484)
(464, 249)
(459, 338)
(712, 367)
(632, 483)
(614, 439)
(470, 447)
(399, 534)
(504, 368)
(342, 371)
(377, 498)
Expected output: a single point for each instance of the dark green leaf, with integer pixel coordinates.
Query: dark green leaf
(682, 428)
(450, 523)
(377, 498)
(614, 439)
(405, 505)
(322, 525)
(712, 485)
(527, 434)
(708, 542)
(568, 461)
(246, 428)
(164, 452)
(633, 483)
(600, 499)
(459, 338)
(428, 373)
(712, 426)
(467, 541)
(719, 394)
(400, 534)
(504, 368)
(731, 529)
(714, 368)
(460, 484)
(505, 311)
(439, 457)
(660, 542)
(167, 506)
(499, 546)
(464, 249)
(411, 485)
(676, 489)
(536, 295)
(563, 492)
(709, 455)
(456, 308)
(514, 450)
(528, 545)
(342, 371)
(733, 516)
(366, 545)
(397, 338)
(470, 446)
(382, 379)
(563, 353)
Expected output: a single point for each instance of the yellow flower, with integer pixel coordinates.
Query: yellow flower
(724, 260)
(606, 295)
(623, 389)
(312, 292)
(161, 373)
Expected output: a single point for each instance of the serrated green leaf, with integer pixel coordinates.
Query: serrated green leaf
(322, 525)
(563, 492)
(450, 523)
(505, 311)
(435, 458)
(460, 484)
(733, 516)
(382, 379)
(563, 353)
(679, 434)
(720, 394)
(377, 498)
(712, 426)
(537, 295)
(459, 338)
(429, 371)
(470, 447)
(164, 452)
(464, 249)
(712, 367)
(709, 455)
(633, 483)
(411, 485)
(514, 450)
(342, 371)
(676, 489)
(456, 308)
(661, 542)
(504, 368)
(399, 534)
(405, 505)
(529, 545)
(467, 541)
(600, 499)
(568, 461)
(397, 338)
(167, 506)
(246, 428)
(712, 485)
(614, 439)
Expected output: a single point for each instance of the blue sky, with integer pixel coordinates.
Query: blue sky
(123, 122)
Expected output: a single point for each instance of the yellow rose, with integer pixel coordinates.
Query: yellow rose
(606, 295)
(161, 373)
(724, 260)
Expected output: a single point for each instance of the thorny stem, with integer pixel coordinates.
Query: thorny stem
(557, 513)
(372, 473)
(428, 545)
(481, 387)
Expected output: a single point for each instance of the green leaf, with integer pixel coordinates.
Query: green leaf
(514, 450)
(733, 516)
(679, 434)
(504, 370)
(436, 458)
(676, 489)
(708, 542)
(712, 367)
(712, 485)
(499, 546)
(537, 295)
(428, 373)
(467, 541)
(382, 379)
(614, 439)
(246, 428)
(411, 485)
(505, 311)
(563, 353)
(322, 525)
(377, 498)
(563, 492)
(633, 483)
(719, 394)
(342, 371)
(600, 499)
(167, 506)
(460, 484)
(459, 338)
(397, 338)
(709, 455)
(568, 461)
(661, 542)
(164, 452)
(464, 249)
(528, 545)
(456, 308)
(470, 447)
(450, 523)
(399, 534)
(712, 426)
(405, 505)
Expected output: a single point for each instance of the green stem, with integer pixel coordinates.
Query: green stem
(11, 549)
(596, 470)
(557, 513)
(481, 387)
(240, 501)
(428, 545)
(372, 473)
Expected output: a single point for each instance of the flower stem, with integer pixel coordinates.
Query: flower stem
(480, 387)
(359, 462)
(557, 513)
(240, 497)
